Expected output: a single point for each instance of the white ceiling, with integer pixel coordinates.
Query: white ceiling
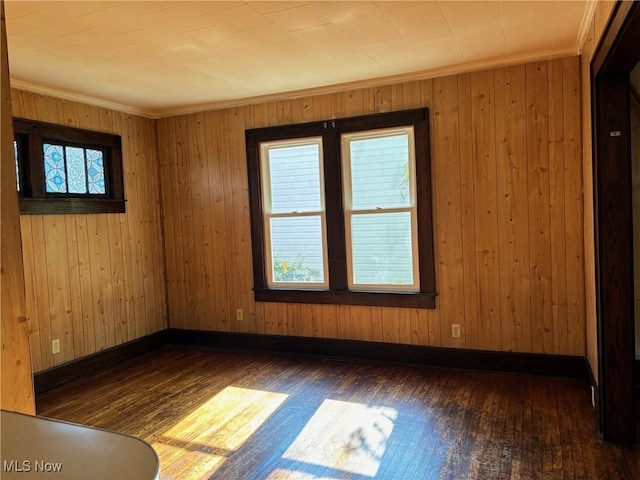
(161, 57)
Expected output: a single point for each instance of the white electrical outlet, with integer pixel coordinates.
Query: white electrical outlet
(455, 330)
(239, 314)
(55, 346)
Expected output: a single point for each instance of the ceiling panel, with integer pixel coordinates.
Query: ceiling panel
(159, 57)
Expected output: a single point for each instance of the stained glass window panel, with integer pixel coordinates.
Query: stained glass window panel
(54, 171)
(76, 177)
(95, 171)
(15, 155)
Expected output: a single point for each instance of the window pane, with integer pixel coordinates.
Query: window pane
(95, 171)
(380, 172)
(381, 249)
(75, 170)
(294, 172)
(297, 250)
(15, 155)
(54, 171)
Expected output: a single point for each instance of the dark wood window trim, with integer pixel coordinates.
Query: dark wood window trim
(34, 200)
(330, 131)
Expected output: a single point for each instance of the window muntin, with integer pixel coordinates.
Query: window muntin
(380, 211)
(294, 213)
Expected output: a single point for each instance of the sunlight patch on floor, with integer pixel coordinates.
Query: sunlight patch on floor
(201, 441)
(176, 460)
(284, 474)
(351, 437)
(228, 419)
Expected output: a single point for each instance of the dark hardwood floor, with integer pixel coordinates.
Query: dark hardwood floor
(217, 414)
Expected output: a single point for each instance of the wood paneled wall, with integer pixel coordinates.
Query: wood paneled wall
(16, 381)
(95, 281)
(602, 12)
(508, 214)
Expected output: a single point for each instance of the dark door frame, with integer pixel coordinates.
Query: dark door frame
(615, 57)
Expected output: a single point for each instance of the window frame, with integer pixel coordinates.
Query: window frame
(331, 131)
(349, 211)
(268, 214)
(31, 136)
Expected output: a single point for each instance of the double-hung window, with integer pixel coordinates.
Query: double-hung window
(294, 213)
(341, 211)
(67, 170)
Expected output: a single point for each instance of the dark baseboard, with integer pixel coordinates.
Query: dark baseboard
(56, 376)
(594, 394)
(513, 362)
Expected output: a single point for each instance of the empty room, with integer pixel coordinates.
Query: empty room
(320, 240)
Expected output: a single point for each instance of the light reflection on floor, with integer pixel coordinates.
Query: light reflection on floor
(202, 441)
(284, 474)
(346, 436)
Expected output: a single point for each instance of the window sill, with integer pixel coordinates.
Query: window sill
(59, 206)
(368, 299)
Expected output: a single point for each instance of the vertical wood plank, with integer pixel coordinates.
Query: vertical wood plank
(448, 214)
(271, 318)
(232, 250)
(390, 325)
(116, 255)
(293, 312)
(513, 227)
(470, 284)
(330, 321)
(573, 201)
(557, 207)
(84, 271)
(486, 218)
(31, 292)
(186, 182)
(42, 290)
(216, 213)
(411, 94)
(360, 319)
(344, 321)
(58, 285)
(383, 99)
(539, 221)
(352, 103)
(377, 332)
(404, 325)
(419, 327)
(200, 192)
(179, 316)
(432, 326)
(241, 224)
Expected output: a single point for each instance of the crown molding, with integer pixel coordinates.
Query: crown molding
(78, 97)
(587, 18)
(469, 67)
(373, 82)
